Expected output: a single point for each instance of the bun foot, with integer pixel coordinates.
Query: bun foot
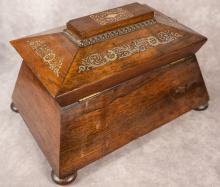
(65, 180)
(202, 107)
(14, 108)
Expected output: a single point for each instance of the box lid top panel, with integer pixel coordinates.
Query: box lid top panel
(76, 61)
(109, 20)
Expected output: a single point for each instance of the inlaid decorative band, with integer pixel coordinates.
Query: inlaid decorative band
(48, 56)
(110, 34)
(136, 46)
(111, 16)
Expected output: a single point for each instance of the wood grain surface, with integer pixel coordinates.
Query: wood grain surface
(71, 84)
(85, 27)
(73, 136)
(77, 116)
(40, 112)
(98, 126)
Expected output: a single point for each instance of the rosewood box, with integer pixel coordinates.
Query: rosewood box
(103, 80)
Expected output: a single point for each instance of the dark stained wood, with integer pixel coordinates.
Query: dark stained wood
(86, 27)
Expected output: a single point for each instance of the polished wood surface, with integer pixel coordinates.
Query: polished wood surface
(66, 51)
(83, 102)
(99, 125)
(40, 112)
(85, 27)
(71, 85)
(73, 136)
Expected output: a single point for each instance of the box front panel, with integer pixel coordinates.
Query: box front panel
(98, 125)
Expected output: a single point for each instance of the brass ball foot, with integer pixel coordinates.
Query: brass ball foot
(202, 107)
(14, 108)
(65, 180)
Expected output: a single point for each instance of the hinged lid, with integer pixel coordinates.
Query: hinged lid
(96, 52)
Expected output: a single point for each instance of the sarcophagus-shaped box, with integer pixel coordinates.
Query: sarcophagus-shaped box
(103, 80)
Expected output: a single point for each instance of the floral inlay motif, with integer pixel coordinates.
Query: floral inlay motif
(136, 46)
(111, 16)
(47, 54)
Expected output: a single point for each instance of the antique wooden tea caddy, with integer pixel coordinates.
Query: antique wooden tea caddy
(103, 80)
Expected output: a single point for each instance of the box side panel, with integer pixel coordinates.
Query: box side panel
(97, 126)
(40, 113)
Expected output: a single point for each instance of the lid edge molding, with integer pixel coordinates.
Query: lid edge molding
(108, 35)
